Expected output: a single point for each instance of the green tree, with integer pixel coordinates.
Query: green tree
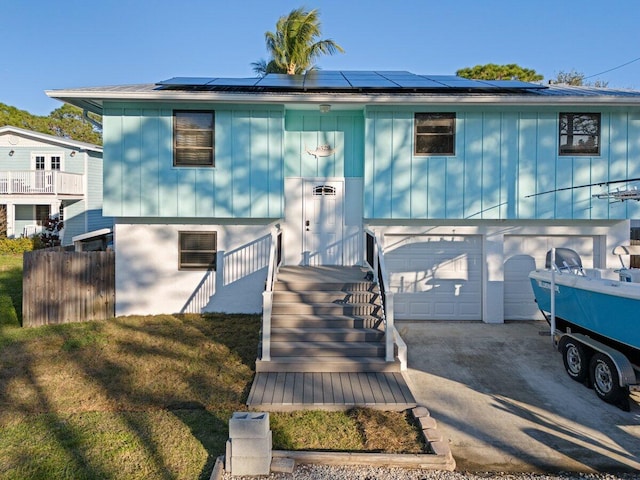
(491, 71)
(65, 121)
(294, 46)
(577, 79)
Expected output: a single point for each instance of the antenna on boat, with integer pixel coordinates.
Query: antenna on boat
(617, 195)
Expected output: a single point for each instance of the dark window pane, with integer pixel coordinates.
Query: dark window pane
(579, 133)
(197, 250)
(435, 133)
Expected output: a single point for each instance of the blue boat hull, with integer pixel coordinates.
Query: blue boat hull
(604, 309)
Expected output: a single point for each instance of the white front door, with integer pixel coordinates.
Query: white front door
(322, 228)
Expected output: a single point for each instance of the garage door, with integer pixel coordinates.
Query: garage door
(524, 253)
(435, 277)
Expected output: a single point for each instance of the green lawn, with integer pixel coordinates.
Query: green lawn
(10, 289)
(146, 397)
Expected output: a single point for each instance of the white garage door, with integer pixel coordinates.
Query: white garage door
(435, 277)
(524, 253)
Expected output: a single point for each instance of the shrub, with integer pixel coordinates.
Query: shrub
(18, 245)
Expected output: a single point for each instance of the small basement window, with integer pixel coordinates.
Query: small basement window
(193, 138)
(435, 133)
(579, 134)
(197, 250)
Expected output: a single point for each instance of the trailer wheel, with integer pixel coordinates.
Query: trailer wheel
(605, 379)
(574, 357)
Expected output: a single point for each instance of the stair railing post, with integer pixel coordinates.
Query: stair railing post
(275, 258)
(390, 329)
(267, 303)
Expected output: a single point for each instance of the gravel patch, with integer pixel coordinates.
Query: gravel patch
(326, 472)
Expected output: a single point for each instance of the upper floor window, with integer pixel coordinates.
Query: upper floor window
(435, 133)
(46, 162)
(579, 134)
(197, 250)
(193, 138)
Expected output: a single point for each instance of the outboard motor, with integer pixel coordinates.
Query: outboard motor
(567, 260)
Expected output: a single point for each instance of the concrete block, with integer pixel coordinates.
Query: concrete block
(252, 447)
(427, 422)
(249, 425)
(283, 465)
(440, 447)
(250, 466)
(227, 456)
(218, 469)
(431, 435)
(420, 412)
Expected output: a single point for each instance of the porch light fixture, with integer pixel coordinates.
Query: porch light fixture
(73, 153)
(325, 107)
(11, 152)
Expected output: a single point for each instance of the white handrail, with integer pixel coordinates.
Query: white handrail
(267, 296)
(392, 337)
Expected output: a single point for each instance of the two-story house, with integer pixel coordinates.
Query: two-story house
(41, 175)
(450, 174)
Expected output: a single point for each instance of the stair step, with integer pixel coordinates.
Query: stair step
(326, 334)
(325, 296)
(325, 309)
(328, 364)
(327, 349)
(315, 286)
(296, 320)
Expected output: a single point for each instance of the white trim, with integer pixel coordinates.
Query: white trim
(51, 139)
(48, 155)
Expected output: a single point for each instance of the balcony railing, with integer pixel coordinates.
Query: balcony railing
(48, 182)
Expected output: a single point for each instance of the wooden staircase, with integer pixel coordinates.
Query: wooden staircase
(326, 319)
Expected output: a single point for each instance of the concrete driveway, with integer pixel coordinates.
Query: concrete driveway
(501, 396)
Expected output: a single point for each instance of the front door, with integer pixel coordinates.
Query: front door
(322, 229)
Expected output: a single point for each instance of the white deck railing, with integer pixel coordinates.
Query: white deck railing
(375, 259)
(48, 182)
(275, 260)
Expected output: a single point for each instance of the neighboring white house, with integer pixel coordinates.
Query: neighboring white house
(450, 173)
(41, 175)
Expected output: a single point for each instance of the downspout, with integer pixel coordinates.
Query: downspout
(85, 115)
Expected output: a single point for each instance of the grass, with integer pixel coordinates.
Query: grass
(146, 397)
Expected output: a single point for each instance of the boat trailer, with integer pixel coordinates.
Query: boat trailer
(587, 360)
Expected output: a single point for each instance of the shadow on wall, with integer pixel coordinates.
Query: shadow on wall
(422, 266)
(230, 288)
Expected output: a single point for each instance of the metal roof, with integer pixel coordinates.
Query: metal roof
(350, 89)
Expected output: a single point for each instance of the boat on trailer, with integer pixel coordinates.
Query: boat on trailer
(595, 321)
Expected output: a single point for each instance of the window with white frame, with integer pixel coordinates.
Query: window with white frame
(193, 138)
(435, 134)
(46, 161)
(579, 134)
(197, 250)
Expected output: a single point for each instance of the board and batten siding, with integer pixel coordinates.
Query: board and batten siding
(341, 130)
(141, 181)
(501, 156)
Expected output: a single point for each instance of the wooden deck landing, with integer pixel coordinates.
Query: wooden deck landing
(289, 391)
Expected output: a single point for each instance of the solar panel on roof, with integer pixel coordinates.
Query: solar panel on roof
(234, 82)
(513, 84)
(281, 80)
(421, 83)
(187, 81)
(348, 79)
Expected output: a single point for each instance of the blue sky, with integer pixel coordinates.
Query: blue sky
(77, 43)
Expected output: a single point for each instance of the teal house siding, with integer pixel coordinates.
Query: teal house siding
(343, 131)
(141, 181)
(502, 156)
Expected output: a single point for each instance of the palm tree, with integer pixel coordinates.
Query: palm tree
(294, 45)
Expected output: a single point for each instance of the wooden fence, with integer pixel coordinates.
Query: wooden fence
(63, 287)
